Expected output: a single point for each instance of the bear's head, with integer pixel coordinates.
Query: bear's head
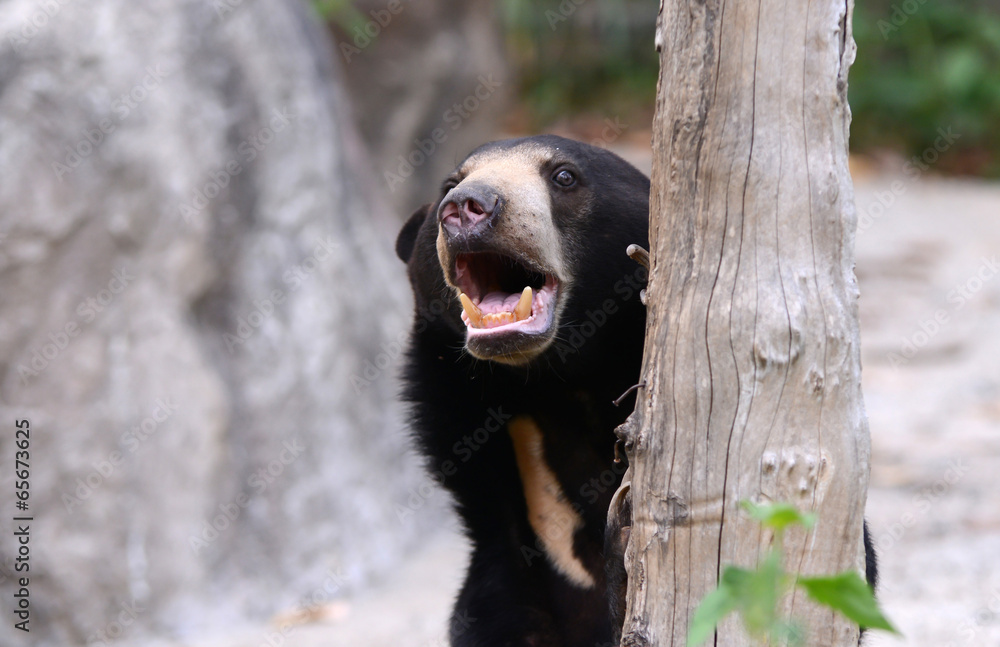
(526, 241)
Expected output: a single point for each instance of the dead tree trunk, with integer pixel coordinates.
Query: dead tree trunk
(752, 368)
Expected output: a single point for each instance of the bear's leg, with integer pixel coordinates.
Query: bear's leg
(498, 608)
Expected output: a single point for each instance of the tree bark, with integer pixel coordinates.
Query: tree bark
(752, 371)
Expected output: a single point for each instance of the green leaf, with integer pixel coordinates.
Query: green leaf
(759, 595)
(779, 515)
(788, 633)
(713, 608)
(850, 595)
(736, 578)
(754, 594)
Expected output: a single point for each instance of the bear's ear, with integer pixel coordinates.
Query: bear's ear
(408, 234)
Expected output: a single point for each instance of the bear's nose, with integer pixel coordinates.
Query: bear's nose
(466, 206)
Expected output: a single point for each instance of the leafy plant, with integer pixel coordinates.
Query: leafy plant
(756, 594)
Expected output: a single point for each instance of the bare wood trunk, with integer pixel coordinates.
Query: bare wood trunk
(752, 368)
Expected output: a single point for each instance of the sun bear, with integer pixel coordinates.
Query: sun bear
(528, 325)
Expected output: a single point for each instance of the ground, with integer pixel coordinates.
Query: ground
(934, 500)
(928, 253)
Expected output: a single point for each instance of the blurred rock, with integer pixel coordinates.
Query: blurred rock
(200, 316)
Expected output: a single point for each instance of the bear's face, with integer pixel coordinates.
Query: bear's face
(516, 228)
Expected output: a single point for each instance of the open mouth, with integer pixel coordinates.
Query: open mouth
(502, 295)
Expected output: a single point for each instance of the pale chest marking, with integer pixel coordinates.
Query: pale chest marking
(551, 515)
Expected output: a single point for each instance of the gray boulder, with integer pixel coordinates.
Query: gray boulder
(201, 318)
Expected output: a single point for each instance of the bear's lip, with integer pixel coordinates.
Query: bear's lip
(494, 284)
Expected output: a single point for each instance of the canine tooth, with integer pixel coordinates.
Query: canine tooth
(474, 313)
(523, 308)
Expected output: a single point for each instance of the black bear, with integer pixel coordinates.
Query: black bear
(528, 326)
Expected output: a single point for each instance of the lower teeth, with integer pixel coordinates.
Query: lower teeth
(499, 319)
(477, 319)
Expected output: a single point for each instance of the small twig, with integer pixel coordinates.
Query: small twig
(627, 391)
(638, 254)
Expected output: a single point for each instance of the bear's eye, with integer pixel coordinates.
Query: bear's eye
(448, 185)
(564, 177)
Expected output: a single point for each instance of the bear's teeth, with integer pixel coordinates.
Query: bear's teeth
(498, 319)
(475, 314)
(523, 308)
(477, 319)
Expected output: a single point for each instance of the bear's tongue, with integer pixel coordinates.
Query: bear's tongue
(499, 302)
(498, 308)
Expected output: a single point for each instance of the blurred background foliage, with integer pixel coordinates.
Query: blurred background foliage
(925, 65)
(922, 65)
(575, 59)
